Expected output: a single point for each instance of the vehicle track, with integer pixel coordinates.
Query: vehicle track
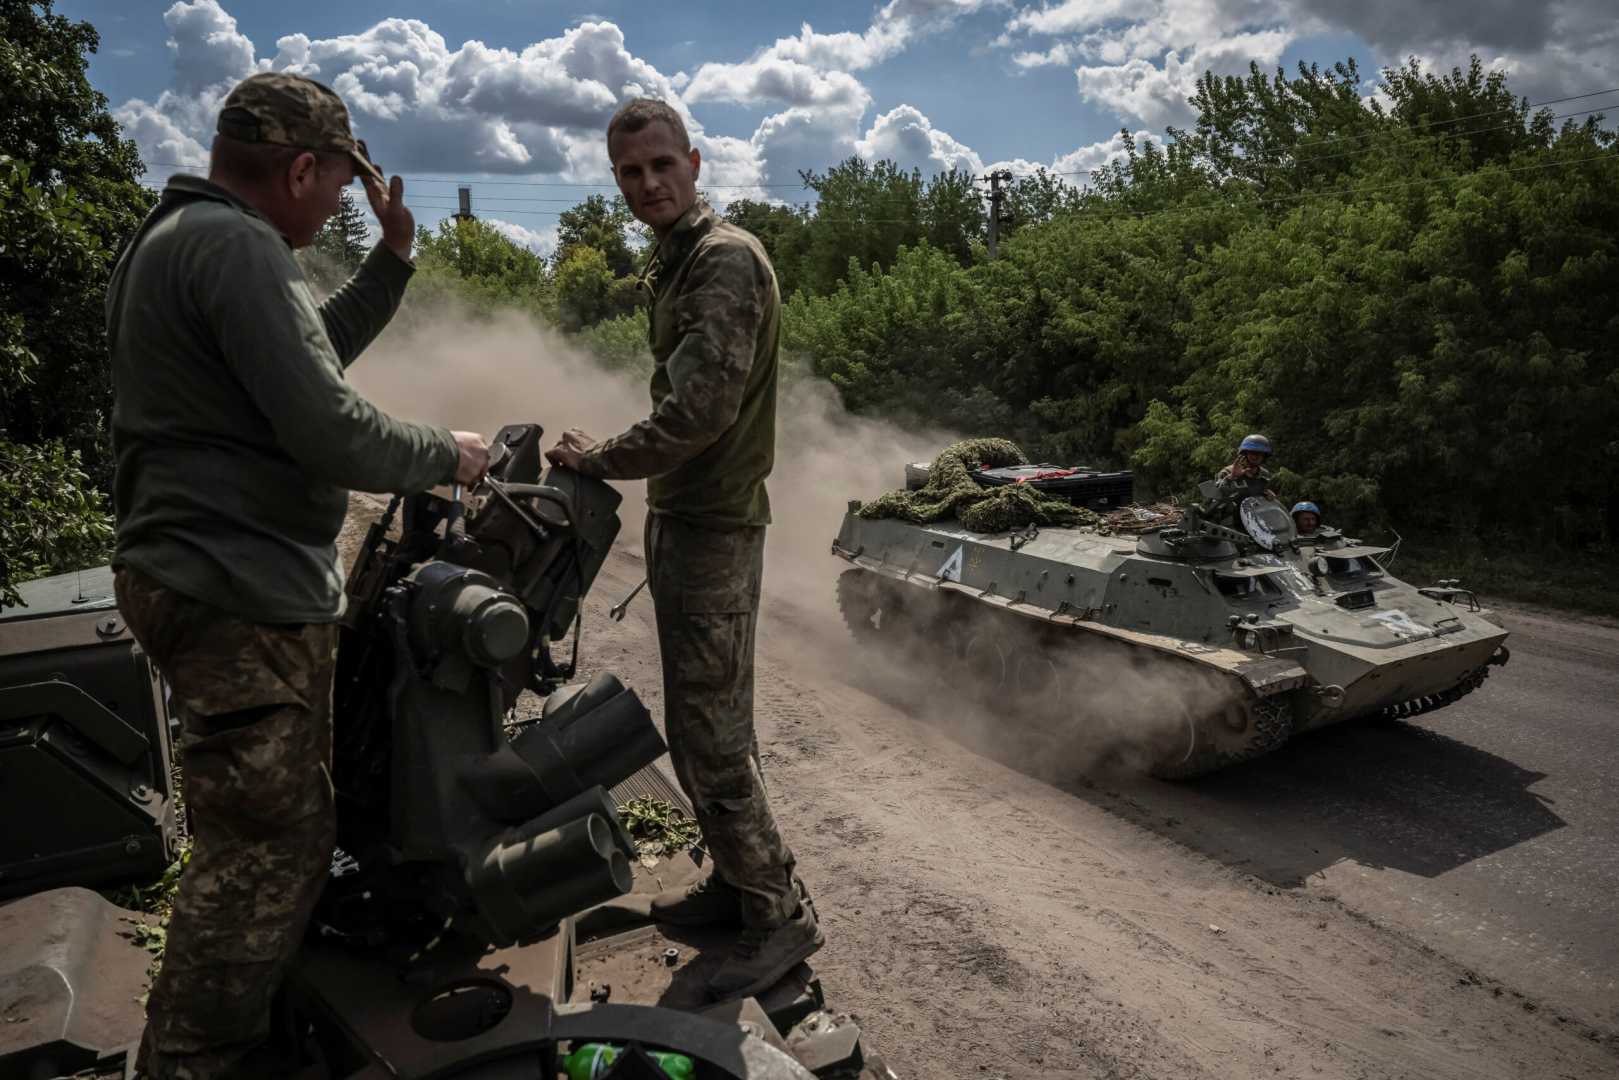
(986, 924)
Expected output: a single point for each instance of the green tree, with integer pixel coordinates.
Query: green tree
(598, 223)
(585, 288)
(1035, 199)
(954, 214)
(473, 263)
(892, 342)
(784, 232)
(866, 213)
(345, 239)
(69, 197)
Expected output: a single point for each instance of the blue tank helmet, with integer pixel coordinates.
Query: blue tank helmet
(1301, 507)
(1256, 443)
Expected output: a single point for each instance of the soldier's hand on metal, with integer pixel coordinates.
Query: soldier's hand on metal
(573, 445)
(474, 457)
(398, 223)
(575, 439)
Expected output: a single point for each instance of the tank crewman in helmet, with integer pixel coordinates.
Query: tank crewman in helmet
(1306, 518)
(1246, 475)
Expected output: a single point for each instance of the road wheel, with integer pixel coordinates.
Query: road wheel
(1239, 731)
(868, 606)
(1037, 689)
(985, 662)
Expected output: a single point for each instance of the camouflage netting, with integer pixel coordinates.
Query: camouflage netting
(951, 492)
(1135, 518)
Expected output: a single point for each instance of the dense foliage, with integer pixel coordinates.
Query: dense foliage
(1417, 299)
(1415, 295)
(69, 197)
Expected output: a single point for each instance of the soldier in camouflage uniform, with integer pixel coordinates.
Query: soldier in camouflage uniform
(236, 437)
(706, 450)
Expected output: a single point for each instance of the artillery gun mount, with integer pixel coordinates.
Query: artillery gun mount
(486, 909)
(1282, 633)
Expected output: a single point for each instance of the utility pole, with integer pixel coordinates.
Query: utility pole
(464, 195)
(996, 197)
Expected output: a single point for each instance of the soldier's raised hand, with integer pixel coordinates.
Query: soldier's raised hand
(398, 223)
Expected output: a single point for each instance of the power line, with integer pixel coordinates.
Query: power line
(516, 183)
(1108, 213)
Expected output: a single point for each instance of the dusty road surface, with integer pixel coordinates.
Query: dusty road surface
(1427, 900)
(984, 923)
(1488, 830)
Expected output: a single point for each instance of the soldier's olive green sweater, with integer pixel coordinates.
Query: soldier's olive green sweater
(237, 437)
(715, 323)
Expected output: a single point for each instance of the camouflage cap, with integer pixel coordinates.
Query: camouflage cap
(283, 109)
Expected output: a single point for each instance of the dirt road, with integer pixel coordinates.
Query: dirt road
(986, 924)
(1488, 830)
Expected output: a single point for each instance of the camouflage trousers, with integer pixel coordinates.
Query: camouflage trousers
(705, 588)
(254, 702)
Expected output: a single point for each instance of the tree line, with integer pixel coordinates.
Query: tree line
(1413, 295)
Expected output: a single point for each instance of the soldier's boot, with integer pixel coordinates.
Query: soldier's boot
(711, 901)
(764, 956)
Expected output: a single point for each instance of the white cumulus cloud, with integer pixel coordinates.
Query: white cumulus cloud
(1076, 166)
(1141, 59)
(542, 242)
(906, 137)
(420, 104)
(803, 139)
(772, 78)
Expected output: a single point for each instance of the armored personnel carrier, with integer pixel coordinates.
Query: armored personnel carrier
(1279, 633)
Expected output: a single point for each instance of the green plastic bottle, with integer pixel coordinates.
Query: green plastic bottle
(594, 1059)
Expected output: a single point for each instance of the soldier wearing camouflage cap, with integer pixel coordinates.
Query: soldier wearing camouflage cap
(237, 441)
(706, 450)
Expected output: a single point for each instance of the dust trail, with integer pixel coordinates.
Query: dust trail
(445, 366)
(442, 365)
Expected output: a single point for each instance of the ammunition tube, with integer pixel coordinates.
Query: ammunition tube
(466, 613)
(609, 742)
(529, 879)
(595, 800)
(599, 736)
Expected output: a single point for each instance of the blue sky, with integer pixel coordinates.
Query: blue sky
(511, 95)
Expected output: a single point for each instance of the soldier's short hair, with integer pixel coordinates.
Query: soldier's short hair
(637, 113)
(257, 163)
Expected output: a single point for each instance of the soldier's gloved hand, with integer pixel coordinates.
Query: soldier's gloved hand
(474, 457)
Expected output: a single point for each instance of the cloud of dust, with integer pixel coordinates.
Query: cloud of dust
(443, 365)
(1057, 704)
(1114, 706)
(448, 367)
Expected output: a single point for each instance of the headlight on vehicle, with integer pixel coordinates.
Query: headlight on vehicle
(1250, 640)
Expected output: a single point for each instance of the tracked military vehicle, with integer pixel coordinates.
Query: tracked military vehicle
(1281, 633)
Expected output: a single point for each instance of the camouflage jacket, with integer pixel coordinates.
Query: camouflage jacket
(236, 434)
(715, 321)
(1235, 489)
